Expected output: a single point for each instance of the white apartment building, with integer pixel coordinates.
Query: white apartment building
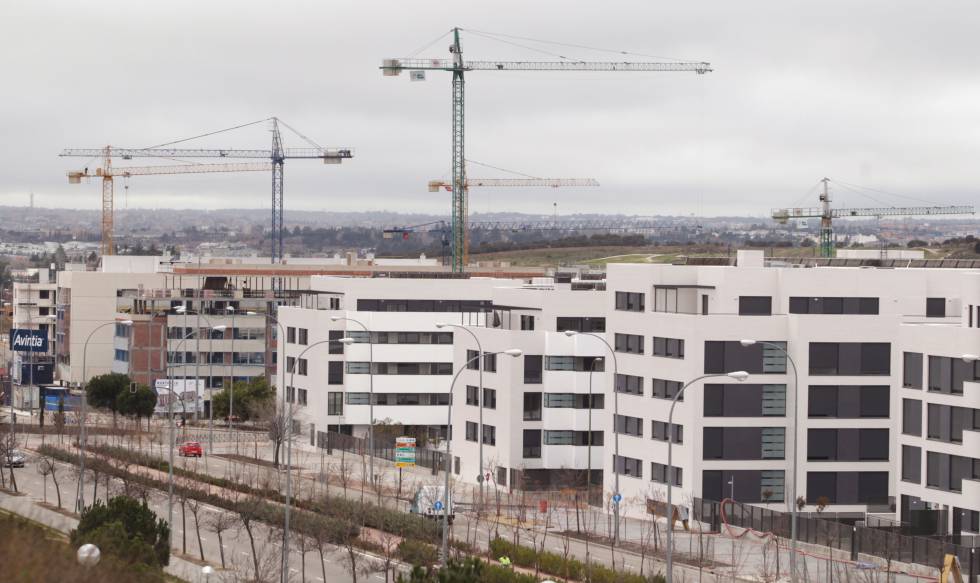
(888, 395)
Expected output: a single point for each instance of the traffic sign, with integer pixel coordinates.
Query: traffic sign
(404, 452)
(438, 505)
(617, 498)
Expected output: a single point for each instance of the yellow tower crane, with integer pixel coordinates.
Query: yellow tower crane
(107, 173)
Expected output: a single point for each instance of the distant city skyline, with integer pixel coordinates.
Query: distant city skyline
(871, 94)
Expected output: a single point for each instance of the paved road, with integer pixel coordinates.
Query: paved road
(238, 555)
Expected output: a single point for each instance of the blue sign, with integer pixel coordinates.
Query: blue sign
(617, 498)
(438, 505)
(23, 340)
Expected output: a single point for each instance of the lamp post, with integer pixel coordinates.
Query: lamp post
(231, 385)
(737, 375)
(80, 498)
(514, 352)
(370, 388)
(796, 435)
(30, 376)
(170, 414)
(284, 570)
(480, 362)
(571, 333)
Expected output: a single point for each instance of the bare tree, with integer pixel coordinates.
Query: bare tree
(8, 445)
(248, 514)
(195, 506)
(219, 522)
(388, 544)
(275, 419)
(51, 468)
(350, 552)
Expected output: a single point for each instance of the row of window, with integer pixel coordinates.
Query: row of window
(633, 344)
(298, 396)
(378, 305)
(744, 400)
(628, 466)
(421, 399)
(833, 305)
(847, 445)
(946, 373)
(762, 305)
(532, 440)
(849, 401)
(244, 358)
(399, 368)
(943, 471)
(944, 422)
(744, 443)
(489, 397)
(594, 324)
(489, 433)
(533, 402)
(362, 337)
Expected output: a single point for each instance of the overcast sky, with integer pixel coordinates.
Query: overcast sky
(884, 94)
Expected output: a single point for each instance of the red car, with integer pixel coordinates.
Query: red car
(190, 449)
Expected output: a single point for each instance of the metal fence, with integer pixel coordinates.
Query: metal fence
(885, 543)
(426, 458)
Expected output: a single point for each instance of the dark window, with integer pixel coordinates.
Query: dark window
(290, 335)
(394, 305)
(935, 307)
(912, 370)
(664, 389)
(668, 347)
(489, 435)
(335, 372)
(755, 306)
(833, 305)
(912, 417)
(750, 486)
(741, 400)
(593, 324)
(847, 444)
(661, 433)
(527, 322)
(472, 362)
(721, 357)
(630, 384)
(850, 358)
(489, 398)
(847, 487)
(629, 343)
(628, 466)
(631, 302)
(335, 403)
(532, 369)
(658, 473)
(849, 401)
(489, 362)
(628, 425)
(471, 431)
(947, 374)
(335, 347)
(912, 464)
(302, 336)
(303, 367)
(532, 443)
(532, 406)
(743, 443)
(472, 395)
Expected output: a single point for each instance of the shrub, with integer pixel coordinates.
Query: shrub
(417, 553)
(127, 529)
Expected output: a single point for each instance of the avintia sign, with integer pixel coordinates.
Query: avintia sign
(23, 340)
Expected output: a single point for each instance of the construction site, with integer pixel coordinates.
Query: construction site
(828, 374)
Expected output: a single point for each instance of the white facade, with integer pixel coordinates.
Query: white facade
(853, 333)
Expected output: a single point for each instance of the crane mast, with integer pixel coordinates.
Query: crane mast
(827, 213)
(458, 67)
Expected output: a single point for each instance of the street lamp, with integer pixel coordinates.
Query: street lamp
(571, 333)
(184, 310)
(284, 571)
(514, 352)
(588, 463)
(739, 376)
(370, 387)
(80, 498)
(796, 435)
(479, 348)
(207, 571)
(231, 385)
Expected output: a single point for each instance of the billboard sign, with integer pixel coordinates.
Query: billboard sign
(186, 395)
(24, 340)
